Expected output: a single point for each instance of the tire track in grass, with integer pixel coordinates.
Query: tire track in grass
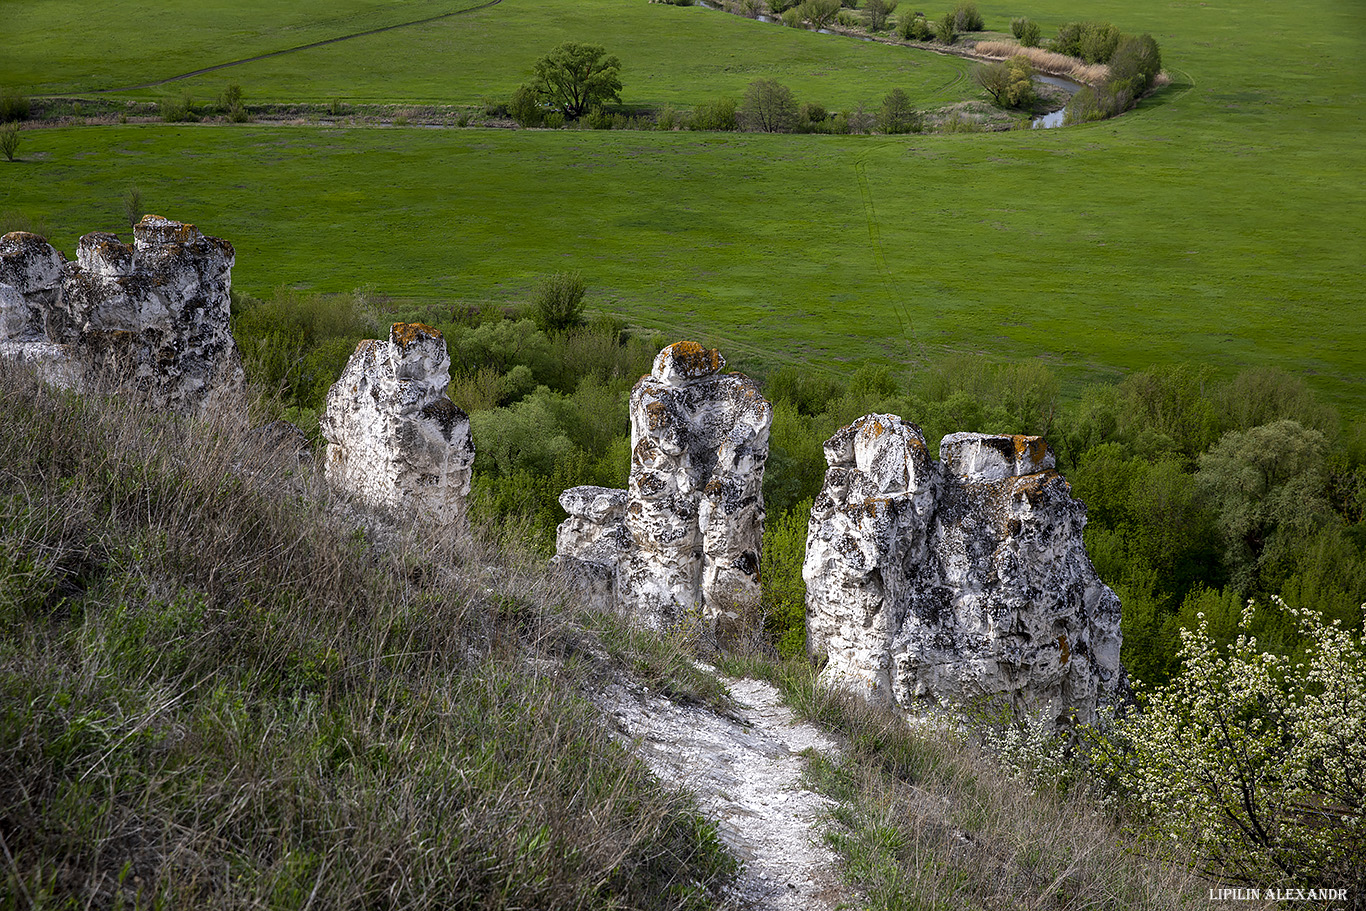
(295, 50)
(903, 314)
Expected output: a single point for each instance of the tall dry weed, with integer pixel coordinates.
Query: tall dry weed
(1045, 61)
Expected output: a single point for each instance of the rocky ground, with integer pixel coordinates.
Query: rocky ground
(746, 771)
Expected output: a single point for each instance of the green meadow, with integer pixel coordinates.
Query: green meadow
(1219, 223)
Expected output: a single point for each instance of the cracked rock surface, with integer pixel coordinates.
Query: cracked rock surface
(746, 773)
(963, 579)
(684, 539)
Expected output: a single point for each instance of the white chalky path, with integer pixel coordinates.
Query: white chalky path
(747, 778)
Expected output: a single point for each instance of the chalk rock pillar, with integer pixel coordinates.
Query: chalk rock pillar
(684, 539)
(867, 544)
(975, 588)
(393, 437)
(151, 318)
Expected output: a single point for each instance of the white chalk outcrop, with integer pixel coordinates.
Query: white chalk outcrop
(150, 318)
(964, 580)
(684, 539)
(393, 437)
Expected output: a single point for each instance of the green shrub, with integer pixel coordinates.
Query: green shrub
(792, 18)
(898, 115)
(1026, 31)
(1254, 762)
(818, 13)
(945, 30)
(9, 140)
(768, 107)
(719, 114)
(524, 106)
(178, 111)
(1134, 64)
(784, 590)
(557, 304)
(669, 119)
(1094, 42)
(13, 105)
(877, 13)
(811, 117)
(1010, 83)
(967, 19)
(914, 28)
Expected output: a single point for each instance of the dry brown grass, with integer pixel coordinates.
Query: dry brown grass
(221, 687)
(1045, 61)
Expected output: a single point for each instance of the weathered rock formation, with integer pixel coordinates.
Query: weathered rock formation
(151, 318)
(684, 539)
(393, 437)
(963, 580)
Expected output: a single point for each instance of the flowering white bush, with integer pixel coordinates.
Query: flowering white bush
(1259, 763)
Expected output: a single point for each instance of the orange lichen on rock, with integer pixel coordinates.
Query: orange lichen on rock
(405, 334)
(1033, 448)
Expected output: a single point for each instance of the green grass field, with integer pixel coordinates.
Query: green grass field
(670, 54)
(1219, 223)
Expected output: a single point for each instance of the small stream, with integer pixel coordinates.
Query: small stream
(1048, 121)
(1043, 122)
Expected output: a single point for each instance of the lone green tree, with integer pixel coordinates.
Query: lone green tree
(575, 77)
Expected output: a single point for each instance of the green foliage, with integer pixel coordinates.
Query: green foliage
(132, 206)
(524, 106)
(966, 19)
(914, 28)
(1094, 42)
(1257, 764)
(897, 115)
(1032, 34)
(295, 345)
(1010, 83)
(946, 29)
(768, 107)
(180, 110)
(1269, 489)
(878, 12)
(818, 13)
(784, 590)
(574, 77)
(9, 140)
(1134, 64)
(557, 303)
(14, 105)
(719, 114)
(232, 105)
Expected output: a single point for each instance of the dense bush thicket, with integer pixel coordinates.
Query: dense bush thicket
(1133, 70)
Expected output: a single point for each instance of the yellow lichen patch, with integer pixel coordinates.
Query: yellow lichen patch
(657, 413)
(876, 429)
(405, 334)
(1035, 448)
(694, 359)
